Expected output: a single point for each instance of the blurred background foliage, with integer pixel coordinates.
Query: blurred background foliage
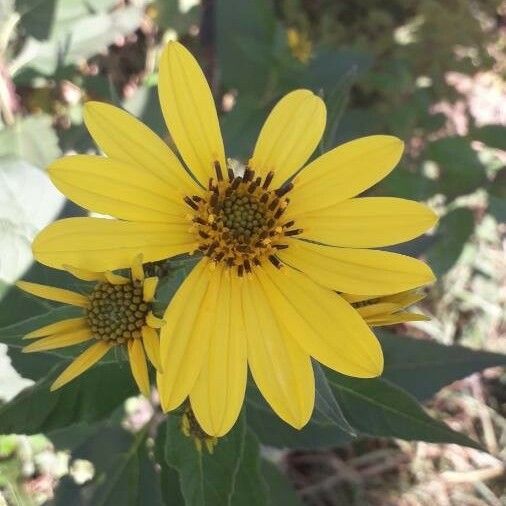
(428, 71)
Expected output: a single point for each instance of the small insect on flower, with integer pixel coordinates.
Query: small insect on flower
(386, 309)
(275, 237)
(116, 312)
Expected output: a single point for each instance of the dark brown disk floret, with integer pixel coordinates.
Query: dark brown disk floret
(240, 220)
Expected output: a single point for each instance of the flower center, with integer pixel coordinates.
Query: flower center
(240, 221)
(117, 312)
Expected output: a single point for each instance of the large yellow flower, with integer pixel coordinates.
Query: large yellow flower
(275, 243)
(115, 312)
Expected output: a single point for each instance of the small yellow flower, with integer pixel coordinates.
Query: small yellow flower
(300, 44)
(191, 428)
(386, 309)
(116, 312)
(275, 242)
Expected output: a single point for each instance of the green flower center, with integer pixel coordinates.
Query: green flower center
(244, 215)
(240, 221)
(117, 312)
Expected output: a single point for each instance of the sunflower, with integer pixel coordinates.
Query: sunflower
(115, 312)
(386, 309)
(276, 242)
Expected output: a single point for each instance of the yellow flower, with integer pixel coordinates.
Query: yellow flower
(275, 247)
(116, 312)
(386, 309)
(190, 428)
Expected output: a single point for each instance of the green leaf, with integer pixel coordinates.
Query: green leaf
(144, 105)
(169, 478)
(424, 367)
(451, 236)
(250, 487)
(206, 480)
(80, 30)
(281, 491)
(329, 65)
(170, 15)
(37, 17)
(12, 334)
(32, 139)
(493, 136)
(86, 399)
(325, 402)
(461, 171)
(336, 101)
(124, 473)
(320, 432)
(245, 35)
(175, 273)
(377, 407)
(242, 125)
(404, 184)
(497, 196)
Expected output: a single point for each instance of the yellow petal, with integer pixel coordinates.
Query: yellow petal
(137, 269)
(84, 274)
(280, 368)
(69, 338)
(372, 310)
(290, 135)
(58, 328)
(351, 297)
(153, 321)
(323, 323)
(139, 366)
(151, 342)
(53, 293)
(404, 299)
(218, 393)
(122, 137)
(101, 244)
(149, 288)
(397, 318)
(345, 172)
(80, 364)
(184, 340)
(366, 222)
(359, 271)
(115, 279)
(189, 111)
(112, 187)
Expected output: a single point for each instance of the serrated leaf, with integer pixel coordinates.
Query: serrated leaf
(205, 480)
(451, 236)
(424, 367)
(86, 399)
(377, 407)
